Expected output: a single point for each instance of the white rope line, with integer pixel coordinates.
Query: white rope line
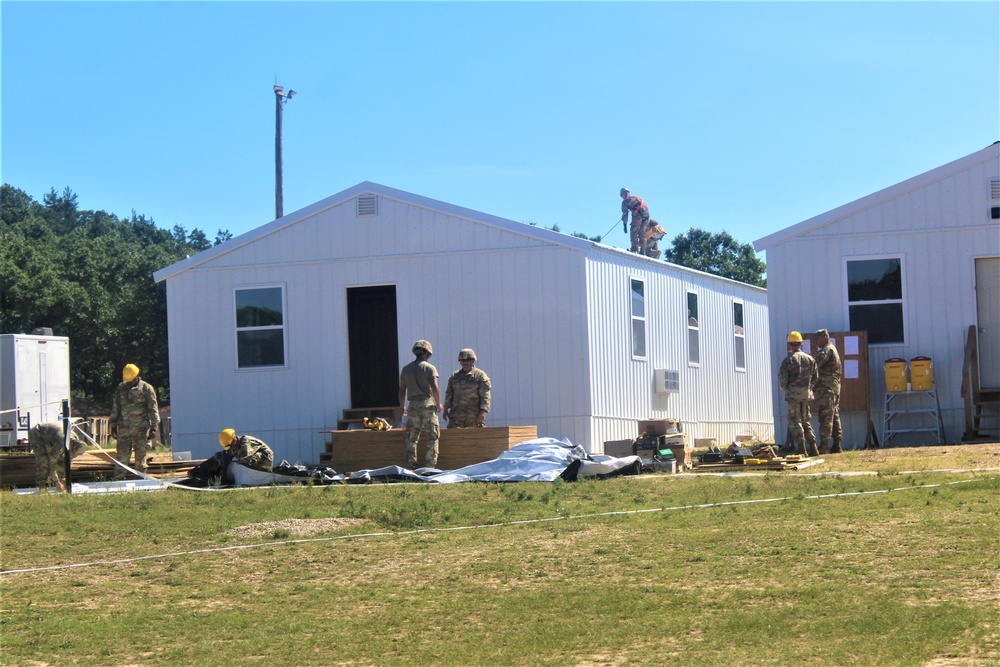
(521, 522)
(29, 407)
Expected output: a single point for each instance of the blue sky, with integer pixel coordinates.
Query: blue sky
(747, 117)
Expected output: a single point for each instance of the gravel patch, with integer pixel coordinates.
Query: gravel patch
(292, 527)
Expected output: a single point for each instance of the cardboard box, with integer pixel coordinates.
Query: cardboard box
(658, 426)
(618, 448)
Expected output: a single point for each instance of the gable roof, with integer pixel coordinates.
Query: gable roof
(991, 152)
(367, 187)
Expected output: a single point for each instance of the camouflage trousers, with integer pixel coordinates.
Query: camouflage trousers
(637, 233)
(49, 466)
(458, 419)
(828, 407)
(799, 428)
(131, 440)
(422, 419)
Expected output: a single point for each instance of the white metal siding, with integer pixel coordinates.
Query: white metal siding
(715, 400)
(938, 229)
(518, 302)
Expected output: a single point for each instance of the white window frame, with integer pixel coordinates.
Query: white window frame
(283, 327)
(739, 336)
(639, 320)
(902, 300)
(693, 330)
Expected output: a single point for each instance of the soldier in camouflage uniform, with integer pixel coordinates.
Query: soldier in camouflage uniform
(640, 220)
(247, 450)
(135, 418)
(653, 235)
(467, 398)
(46, 440)
(827, 392)
(420, 398)
(796, 377)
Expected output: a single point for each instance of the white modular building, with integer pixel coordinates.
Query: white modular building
(916, 266)
(278, 331)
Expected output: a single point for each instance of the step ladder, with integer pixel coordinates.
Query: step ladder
(924, 407)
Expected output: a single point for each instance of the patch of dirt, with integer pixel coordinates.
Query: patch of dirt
(292, 527)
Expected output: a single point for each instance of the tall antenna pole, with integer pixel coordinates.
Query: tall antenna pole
(280, 98)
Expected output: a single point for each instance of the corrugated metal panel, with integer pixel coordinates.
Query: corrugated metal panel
(938, 230)
(521, 306)
(715, 400)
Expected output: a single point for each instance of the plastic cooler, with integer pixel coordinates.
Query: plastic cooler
(922, 373)
(895, 374)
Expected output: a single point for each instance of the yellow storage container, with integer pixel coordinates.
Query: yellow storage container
(895, 374)
(922, 373)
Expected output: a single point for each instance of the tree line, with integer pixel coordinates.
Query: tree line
(88, 275)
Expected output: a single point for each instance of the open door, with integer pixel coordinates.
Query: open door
(374, 347)
(988, 320)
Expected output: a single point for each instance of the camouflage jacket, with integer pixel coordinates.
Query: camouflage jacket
(638, 207)
(47, 439)
(134, 407)
(830, 370)
(253, 453)
(797, 376)
(468, 392)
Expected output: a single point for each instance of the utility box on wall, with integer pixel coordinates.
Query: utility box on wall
(666, 381)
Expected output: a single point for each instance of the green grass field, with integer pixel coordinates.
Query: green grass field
(894, 568)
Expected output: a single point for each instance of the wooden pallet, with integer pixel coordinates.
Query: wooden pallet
(92, 466)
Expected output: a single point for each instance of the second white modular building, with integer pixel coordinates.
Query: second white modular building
(278, 331)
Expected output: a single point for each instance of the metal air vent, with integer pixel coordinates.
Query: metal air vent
(995, 188)
(367, 205)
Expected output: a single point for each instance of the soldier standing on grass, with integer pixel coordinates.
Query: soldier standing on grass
(46, 441)
(796, 377)
(827, 392)
(420, 398)
(135, 418)
(467, 398)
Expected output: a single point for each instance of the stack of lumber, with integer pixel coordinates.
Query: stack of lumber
(780, 463)
(92, 466)
(348, 451)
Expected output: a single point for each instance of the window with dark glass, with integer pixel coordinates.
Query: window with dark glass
(260, 327)
(875, 299)
(739, 337)
(638, 318)
(694, 354)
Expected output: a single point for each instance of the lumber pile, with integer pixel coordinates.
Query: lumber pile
(752, 465)
(348, 451)
(19, 470)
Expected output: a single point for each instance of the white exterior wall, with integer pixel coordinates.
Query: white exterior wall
(515, 300)
(715, 400)
(548, 315)
(938, 223)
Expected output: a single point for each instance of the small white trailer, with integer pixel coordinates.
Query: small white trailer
(34, 382)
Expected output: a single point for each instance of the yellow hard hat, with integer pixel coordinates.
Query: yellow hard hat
(130, 372)
(226, 436)
(794, 337)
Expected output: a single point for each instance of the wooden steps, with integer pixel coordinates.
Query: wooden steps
(354, 417)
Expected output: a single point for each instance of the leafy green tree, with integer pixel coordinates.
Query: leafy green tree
(222, 236)
(89, 276)
(719, 254)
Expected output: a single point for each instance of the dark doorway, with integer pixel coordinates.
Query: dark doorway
(374, 348)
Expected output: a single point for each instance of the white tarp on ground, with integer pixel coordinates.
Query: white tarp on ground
(539, 460)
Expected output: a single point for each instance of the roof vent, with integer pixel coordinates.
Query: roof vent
(995, 188)
(367, 205)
